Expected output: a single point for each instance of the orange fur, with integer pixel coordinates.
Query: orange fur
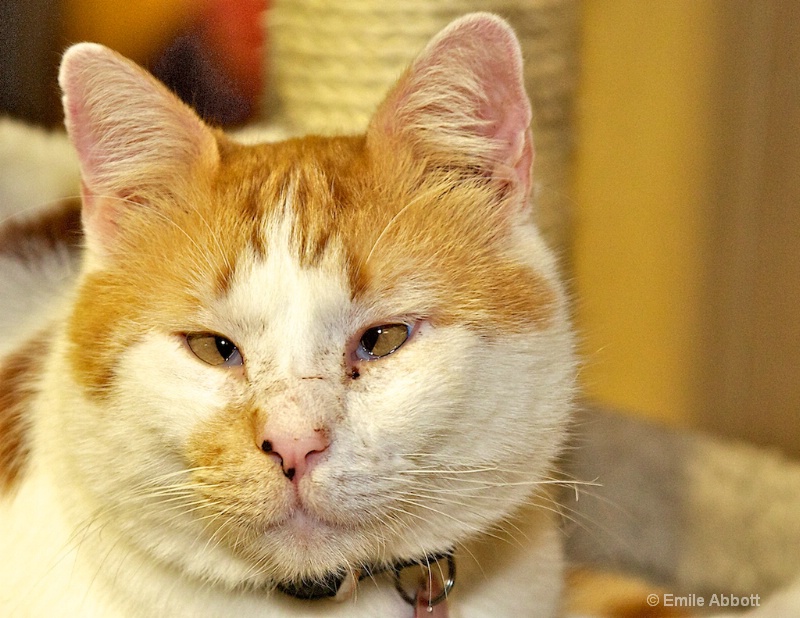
(16, 375)
(220, 452)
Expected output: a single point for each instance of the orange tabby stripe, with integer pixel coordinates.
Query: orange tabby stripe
(17, 373)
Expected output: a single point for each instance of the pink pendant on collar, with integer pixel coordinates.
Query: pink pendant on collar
(430, 588)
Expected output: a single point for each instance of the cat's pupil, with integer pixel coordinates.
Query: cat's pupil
(224, 347)
(381, 341)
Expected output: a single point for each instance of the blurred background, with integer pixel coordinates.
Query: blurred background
(687, 212)
(668, 159)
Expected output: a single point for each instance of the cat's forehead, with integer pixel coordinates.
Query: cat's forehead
(289, 281)
(272, 276)
(298, 188)
(282, 206)
(287, 314)
(380, 230)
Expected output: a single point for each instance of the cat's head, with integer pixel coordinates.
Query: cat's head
(291, 358)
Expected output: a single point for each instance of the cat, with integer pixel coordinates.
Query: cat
(271, 379)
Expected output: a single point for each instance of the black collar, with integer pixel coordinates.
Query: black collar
(328, 585)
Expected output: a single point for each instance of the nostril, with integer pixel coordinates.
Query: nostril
(267, 447)
(296, 454)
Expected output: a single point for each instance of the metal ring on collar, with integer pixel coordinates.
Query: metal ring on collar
(447, 585)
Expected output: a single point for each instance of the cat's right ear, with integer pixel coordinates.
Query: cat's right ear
(136, 141)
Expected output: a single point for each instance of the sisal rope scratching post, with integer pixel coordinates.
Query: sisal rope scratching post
(332, 62)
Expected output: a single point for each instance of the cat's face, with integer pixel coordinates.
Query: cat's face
(310, 355)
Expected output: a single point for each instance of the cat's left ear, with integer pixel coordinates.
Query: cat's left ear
(463, 103)
(136, 141)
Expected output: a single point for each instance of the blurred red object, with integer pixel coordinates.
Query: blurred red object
(233, 31)
(216, 64)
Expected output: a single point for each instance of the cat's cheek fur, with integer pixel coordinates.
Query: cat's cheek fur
(159, 396)
(168, 389)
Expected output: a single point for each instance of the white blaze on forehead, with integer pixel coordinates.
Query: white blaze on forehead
(288, 313)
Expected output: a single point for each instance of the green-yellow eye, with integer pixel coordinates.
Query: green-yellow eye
(380, 341)
(214, 349)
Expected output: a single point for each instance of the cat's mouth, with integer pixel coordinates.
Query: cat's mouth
(302, 529)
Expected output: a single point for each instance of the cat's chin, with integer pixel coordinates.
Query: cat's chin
(303, 546)
(302, 533)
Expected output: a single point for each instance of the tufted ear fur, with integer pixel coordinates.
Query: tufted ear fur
(136, 141)
(463, 102)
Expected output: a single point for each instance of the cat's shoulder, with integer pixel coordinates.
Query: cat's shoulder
(40, 253)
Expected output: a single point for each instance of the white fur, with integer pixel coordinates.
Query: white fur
(31, 294)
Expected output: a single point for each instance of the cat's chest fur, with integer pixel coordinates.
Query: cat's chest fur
(279, 362)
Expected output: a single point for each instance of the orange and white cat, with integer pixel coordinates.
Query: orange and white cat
(289, 370)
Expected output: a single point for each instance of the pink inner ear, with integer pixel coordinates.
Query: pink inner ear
(90, 78)
(508, 113)
(134, 138)
(492, 50)
(77, 121)
(468, 82)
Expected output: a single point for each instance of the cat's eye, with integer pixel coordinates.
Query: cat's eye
(214, 349)
(380, 341)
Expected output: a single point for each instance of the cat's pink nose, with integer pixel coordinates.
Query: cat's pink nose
(297, 453)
